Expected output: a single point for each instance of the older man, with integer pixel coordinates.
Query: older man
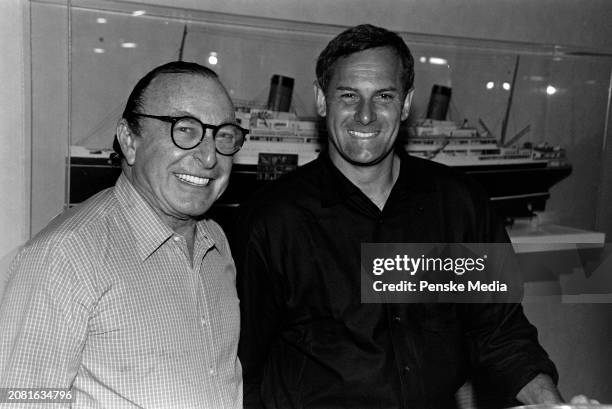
(130, 301)
(307, 340)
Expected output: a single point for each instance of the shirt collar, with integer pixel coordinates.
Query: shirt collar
(205, 235)
(336, 188)
(148, 229)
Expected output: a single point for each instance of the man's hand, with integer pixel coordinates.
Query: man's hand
(581, 399)
(540, 389)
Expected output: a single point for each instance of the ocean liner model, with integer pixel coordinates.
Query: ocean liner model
(517, 178)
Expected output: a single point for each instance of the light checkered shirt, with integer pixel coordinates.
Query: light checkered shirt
(105, 301)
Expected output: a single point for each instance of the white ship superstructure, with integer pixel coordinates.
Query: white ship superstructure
(444, 142)
(277, 133)
(449, 144)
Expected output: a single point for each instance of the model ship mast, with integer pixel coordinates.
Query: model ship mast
(182, 47)
(502, 140)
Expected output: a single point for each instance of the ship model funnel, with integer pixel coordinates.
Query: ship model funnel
(438, 102)
(281, 89)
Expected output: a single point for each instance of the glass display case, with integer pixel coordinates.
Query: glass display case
(514, 93)
(86, 55)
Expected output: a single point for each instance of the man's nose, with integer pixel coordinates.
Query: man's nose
(206, 151)
(365, 112)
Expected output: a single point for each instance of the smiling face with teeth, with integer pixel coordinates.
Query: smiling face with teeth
(363, 106)
(180, 185)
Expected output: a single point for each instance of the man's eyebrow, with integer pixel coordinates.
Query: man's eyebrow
(341, 88)
(180, 113)
(390, 89)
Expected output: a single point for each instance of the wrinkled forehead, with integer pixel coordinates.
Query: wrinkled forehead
(375, 64)
(188, 93)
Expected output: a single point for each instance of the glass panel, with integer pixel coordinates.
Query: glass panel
(560, 94)
(50, 91)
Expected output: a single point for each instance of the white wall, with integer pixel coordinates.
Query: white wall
(14, 131)
(49, 102)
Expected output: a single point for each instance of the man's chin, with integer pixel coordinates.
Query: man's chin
(366, 161)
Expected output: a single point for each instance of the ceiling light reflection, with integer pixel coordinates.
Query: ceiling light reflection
(437, 61)
(212, 58)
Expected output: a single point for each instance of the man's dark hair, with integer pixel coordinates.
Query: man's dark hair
(136, 99)
(360, 38)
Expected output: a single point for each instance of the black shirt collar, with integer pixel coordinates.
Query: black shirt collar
(336, 188)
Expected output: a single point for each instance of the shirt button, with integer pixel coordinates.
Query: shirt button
(177, 238)
(406, 368)
(396, 318)
(204, 322)
(211, 371)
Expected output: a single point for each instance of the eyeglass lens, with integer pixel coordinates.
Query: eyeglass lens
(188, 132)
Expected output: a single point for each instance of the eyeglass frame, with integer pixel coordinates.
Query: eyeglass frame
(215, 128)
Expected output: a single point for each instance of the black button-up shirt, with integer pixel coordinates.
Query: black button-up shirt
(307, 341)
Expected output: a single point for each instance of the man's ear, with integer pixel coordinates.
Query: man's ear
(407, 103)
(127, 141)
(320, 99)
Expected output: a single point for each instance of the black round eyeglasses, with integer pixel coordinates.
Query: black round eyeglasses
(188, 132)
